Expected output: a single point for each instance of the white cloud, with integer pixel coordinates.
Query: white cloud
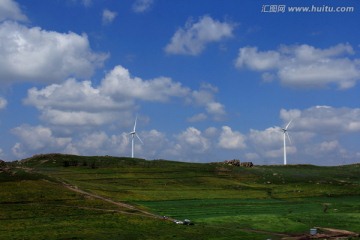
(211, 132)
(72, 95)
(140, 6)
(76, 103)
(3, 103)
(108, 16)
(58, 55)
(316, 136)
(78, 118)
(268, 138)
(204, 97)
(192, 140)
(250, 57)
(193, 38)
(324, 119)
(328, 153)
(304, 65)
(252, 156)
(197, 118)
(101, 143)
(37, 139)
(231, 139)
(86, 3)
(155, 144)
(190, 144)
(119, 83)
(10, 10)
(216, 109)
(268, 143)
(329, 146)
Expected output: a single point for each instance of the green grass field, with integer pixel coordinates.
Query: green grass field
(224, 202)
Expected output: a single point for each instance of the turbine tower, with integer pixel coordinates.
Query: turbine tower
(286, 133)
(133, 134)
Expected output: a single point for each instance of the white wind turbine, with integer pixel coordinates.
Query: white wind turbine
(285, 132)
(133, 134)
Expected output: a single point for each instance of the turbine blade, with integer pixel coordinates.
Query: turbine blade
(288, 137)
(135, 124)
(288, 125)
(139, 138)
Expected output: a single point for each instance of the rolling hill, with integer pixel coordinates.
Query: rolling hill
(57, 196)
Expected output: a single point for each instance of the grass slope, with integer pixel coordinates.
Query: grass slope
(225, 202)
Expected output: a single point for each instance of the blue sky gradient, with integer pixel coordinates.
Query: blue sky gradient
(208, 80)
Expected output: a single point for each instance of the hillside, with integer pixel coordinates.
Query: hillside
(56, 196)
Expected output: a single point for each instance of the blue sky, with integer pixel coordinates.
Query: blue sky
(208, 80)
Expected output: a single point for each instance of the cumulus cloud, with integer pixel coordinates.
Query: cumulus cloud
(251, 57)
(38, 139)
(230, 139)
(71, 95)
(108, 16)
(155, 144)
(304, 65)
(37, 55)
(316, 134)
(193, 38)
(80, 103)
(10, 10)
(3, 103)
(119, 83)
(197, 118)
(101, 143)
(140, 6)
(216, 109)
(35, 139)
(190, 144)
(268, 143)
(76, 103)
(193, 140)
(205, 97)
(314, 130)
(86, 3)
(270, 137)
(331, 151)
(324, 119)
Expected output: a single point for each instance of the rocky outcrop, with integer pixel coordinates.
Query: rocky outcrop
(238, 163)
(246, 164)
(2, 164)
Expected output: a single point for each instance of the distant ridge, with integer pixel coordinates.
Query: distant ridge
(46, 157)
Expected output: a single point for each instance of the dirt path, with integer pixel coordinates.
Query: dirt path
(136, 211)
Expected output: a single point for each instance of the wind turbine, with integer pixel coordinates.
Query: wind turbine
(133, 134)
(284, 130)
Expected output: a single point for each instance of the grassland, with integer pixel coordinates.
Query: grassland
(224, 202)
